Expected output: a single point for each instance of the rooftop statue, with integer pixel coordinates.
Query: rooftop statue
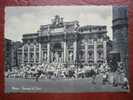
(57, 21)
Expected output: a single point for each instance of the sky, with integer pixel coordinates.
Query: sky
(23, 20)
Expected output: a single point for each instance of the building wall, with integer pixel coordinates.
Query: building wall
(11, 54)
(7, 56)
(120, 30)
(91, 43)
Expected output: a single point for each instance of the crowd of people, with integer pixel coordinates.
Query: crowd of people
(71, 71)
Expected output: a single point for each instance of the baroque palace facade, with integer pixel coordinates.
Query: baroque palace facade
(65, 42)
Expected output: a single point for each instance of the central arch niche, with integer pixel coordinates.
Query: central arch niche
(57, 46)
(57, 52)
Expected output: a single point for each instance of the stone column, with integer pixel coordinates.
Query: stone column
(23, 54)
(40, 54)
(34, 53)
(57, 57)
(75, 51)
(51, 56)
(48, 45)
(104, 50)
(28, 53)
(65, 51)
(48, 52)
(62, 60)
(65, 46)
(86, 51)
(95, 52)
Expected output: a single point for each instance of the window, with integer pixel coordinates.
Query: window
(90, 41)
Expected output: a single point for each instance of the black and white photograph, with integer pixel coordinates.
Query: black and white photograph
(66, 49)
